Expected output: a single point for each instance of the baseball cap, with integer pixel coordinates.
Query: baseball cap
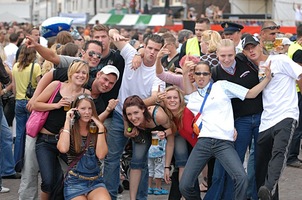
(249, 39)
(230, 27)
(286, 41)
(110, 69)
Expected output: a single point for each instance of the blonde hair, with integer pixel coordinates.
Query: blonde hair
(212, 38)
(225, 43)
(75, 66)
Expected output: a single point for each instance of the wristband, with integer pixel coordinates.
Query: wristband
(66, 131)
(165, 133)
(4, 91)
(138, 54)
(100, 133)
(168, 168)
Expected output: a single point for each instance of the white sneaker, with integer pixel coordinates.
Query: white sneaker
(4, 189)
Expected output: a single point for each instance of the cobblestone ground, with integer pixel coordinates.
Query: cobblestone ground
(289, 187)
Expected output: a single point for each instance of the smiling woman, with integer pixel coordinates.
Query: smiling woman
(46, 149)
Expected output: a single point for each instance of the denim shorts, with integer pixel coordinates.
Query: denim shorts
(74, 186)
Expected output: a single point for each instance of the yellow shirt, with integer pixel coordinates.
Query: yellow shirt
(291, 50)
(22, 78)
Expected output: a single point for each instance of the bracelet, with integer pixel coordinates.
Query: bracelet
(4, 91)
(100, 133)
(66, 131)
(167, 167)
(138, 54)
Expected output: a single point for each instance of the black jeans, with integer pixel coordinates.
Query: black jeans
(271, 155)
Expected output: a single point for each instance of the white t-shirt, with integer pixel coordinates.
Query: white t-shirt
(141, 81)
(10, 52)
(217, 114)
(280, 99)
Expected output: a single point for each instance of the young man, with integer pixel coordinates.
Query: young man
(232, 31)
(192, 45)
(144, 83)
(279, 117)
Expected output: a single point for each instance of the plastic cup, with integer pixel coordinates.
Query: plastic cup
(261, 70)
(155, 139)
(93, 128)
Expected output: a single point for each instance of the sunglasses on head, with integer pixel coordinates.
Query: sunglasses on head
(202, 73)
(271, 27)
(85, 96)
(92, 53)
(77, 60)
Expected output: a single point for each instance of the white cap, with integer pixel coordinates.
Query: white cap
(110, 69)
(286, 41)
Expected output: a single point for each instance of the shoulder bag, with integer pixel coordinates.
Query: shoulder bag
(37, 119)
(30, 90)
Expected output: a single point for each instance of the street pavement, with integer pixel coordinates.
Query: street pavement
(289, 187)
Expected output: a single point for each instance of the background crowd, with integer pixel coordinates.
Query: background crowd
(138, 87)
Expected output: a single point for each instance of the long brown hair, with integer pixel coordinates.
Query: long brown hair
(135, 101)
(75, 130)
(177, 118)
(26, 57)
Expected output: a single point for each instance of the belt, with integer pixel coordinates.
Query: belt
(92, 178)
(48, 136)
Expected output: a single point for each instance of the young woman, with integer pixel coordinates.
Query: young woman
(84, 148)
(21, 74)
(140, 122)
(216, 133)
(46, 144)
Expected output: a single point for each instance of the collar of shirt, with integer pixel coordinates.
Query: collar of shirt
(231, 69)
(202, 91)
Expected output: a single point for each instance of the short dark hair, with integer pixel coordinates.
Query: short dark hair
(99, 43)
(13, 37)
(155, 38)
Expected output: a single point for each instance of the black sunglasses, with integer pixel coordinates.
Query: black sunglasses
(271, 27)
(202, 73)
(92, 53)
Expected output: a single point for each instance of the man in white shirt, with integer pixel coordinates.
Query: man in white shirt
(279, 117)
(144, 83)
(11, 50)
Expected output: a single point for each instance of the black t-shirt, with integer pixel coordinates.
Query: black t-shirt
(172, 64)
(113, 58)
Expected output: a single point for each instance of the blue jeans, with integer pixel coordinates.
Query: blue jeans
(22, 115)
(116, 143)
(1, 145)
(226, 154)
(222, 185)
(181, 153)
(47, 156)
(7, 158)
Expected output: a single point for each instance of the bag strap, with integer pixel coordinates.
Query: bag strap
(81, 155)
(54, 93)
(31, 72)
(172, 61)
(204, 101)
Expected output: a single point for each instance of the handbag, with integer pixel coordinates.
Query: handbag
(37, 119)
(30, 90)
(57, 192)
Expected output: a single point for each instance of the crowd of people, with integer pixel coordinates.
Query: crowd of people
(201, 102)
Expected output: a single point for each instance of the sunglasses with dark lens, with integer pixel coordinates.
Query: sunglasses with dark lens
(202, 73)
(92, 53)
(271, 27)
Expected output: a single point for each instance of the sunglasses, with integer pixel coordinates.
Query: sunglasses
(92, 53)
(77, 60)
(271, 27)
(84, 96)
(202, 73)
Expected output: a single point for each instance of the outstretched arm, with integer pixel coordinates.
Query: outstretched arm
(118, 40)
(46, 53)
